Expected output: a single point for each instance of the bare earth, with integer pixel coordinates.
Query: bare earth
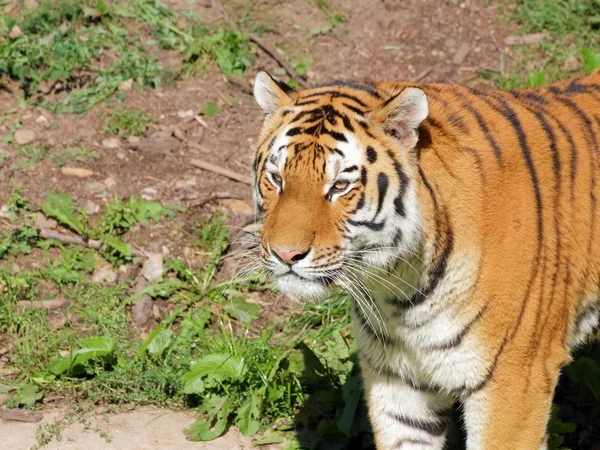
(142, 429)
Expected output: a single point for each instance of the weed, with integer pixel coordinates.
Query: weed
(63, 157)
(128, 121)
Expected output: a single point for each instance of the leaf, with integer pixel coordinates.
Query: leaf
(90, 348)
(4, 388)
(300, 69)
(210, 109)
(269, 437)
(247, 416)
(28, 395)
(241, 310)
(351, 392)
(61, 207)
(160, 343)
(216, 365)
(201, 430)
(591, 60)
(586, 372)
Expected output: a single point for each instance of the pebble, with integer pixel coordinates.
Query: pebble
(15, 32)
(110, 183)
(42, 120)
(126, 86)
(462, 53)
(148, 193)
(238, 207)
(91, 207)
(141, 311)
(111, 143)
(152, 269)
(185, 114)
(571, 64)
(121, 155)
(24, 136)
(76, 172)
(133, 139)
(95, 187)
(104, 275)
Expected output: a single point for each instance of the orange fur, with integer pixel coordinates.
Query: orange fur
(514, 177)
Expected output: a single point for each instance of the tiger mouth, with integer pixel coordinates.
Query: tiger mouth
(325, 280)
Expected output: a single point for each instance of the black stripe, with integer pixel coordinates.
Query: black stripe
(375, 226)
(432, 427)
(336, 94)
(382, 186)
(371, 154)
(348, 169)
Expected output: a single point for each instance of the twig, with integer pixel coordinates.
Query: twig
(212, 198)
(200, 163)
(264, 46)
(20, 415)
(422, 74)
(78, 240)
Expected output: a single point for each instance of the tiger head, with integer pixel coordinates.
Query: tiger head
(334, 178)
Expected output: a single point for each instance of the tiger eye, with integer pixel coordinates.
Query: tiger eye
(277, 178)
(340, 185)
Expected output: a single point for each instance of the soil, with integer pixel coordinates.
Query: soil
(419, 40)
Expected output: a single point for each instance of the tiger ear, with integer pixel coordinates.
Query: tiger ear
(402, 114)
(271, 93)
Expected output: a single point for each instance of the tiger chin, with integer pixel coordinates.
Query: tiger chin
(464, 223)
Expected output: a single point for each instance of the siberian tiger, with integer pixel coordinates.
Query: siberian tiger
(465, 224)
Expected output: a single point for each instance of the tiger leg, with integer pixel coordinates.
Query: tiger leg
(404, 417)
(512, 409)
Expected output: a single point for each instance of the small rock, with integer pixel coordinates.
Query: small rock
(42, 222)
(239, 207)
(133, 139)
(462, 53)
(141, 311)
(571, 64)
(92, 13)
(110, 183)
(95, 187)
(126, 86)
(121, 155)
(161, 134)
(91, 207)
(104, 275)
(185, 184)
(185, 114)
(30, 5)
(148, 193)
(156, 311)
(5, 212)
(76, 172)
(15, 32)
(111, 143)
(42, 120)
(152, 269)
(24, 137)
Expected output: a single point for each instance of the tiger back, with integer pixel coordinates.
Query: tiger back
(463, 223)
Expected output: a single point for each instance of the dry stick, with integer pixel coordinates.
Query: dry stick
(78, 240)
(263, 45)
(200, 163)
(422, 75)
(212, 198)
(20, 415)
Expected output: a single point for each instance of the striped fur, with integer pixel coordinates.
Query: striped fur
(463, 222)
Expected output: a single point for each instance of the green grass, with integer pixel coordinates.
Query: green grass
(81, 51)
(572, 27)
(127, 122)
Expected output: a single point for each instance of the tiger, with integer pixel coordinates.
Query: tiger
(464, 224)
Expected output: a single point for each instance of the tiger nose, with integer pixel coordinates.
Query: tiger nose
(289, 256)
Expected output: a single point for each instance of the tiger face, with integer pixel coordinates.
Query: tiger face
(333, 176)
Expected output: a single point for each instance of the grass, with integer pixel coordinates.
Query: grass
(72, 55)
(127, 122)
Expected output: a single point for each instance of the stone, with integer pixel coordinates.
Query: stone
(91, 207)
(133, 139)
(239, 207)
(95, 187)
(462, 53)
(104, 275)
(111, 143)
(141, 310)
(24, 136)
(110, 183)
(126, 86)
(76, 172)
(185, 114)
(152, 269)
(571, 64)
(15, 32)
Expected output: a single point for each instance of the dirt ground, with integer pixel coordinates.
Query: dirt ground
(142, 429)
(419, 40)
